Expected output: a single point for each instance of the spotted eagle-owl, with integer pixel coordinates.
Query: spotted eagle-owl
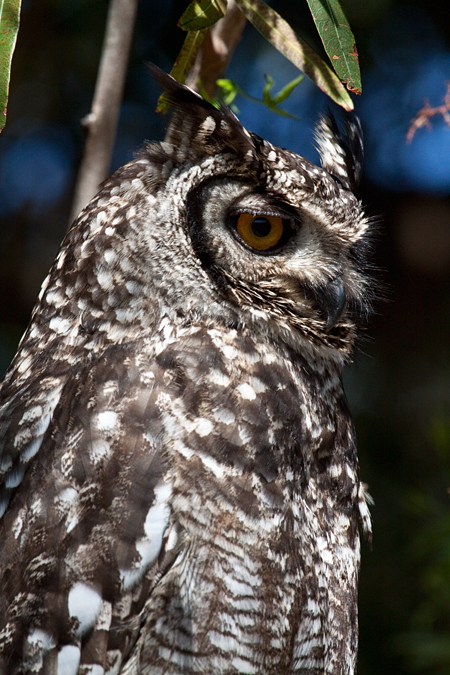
(180, 490)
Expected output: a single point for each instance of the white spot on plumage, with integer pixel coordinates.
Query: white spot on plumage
(5, 462)
(137, 185)
(257, 385)
(97, 223)
(114, 661)
(94, 669)
(224, 415)
(183, 449)
(32, 449)
(24, 364)
(158, 515)
(68, 496)
(227, 643)
(60, 325)
(109, 256)
(73, 522)
(244, 436)
(105, 279)
(237, 587)
(149, 547)
(31, 414)
(68, 660)
(84, 604)
(246, 391)
(99, 450)
(44, 286)
(172, 539)
(14, 478)
(218, 377)
(244, 666)
(203, 426)
(335, 470)
(41, 639)
(229, 351)
(217, 468)
(61, 259)
(132, 287)
(208, 125)
(55, 297)
(106, 420)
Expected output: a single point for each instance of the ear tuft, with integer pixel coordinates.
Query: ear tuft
(197, 127)
(341, 153)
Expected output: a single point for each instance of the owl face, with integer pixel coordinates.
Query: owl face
(268, 244)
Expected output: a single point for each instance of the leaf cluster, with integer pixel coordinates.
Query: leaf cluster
(200, 15)
(331, 24)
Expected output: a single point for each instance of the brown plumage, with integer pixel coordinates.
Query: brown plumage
(179, 481)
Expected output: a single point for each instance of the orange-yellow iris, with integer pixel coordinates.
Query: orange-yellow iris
(260, 232)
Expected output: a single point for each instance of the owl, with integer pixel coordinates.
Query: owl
(179, 489)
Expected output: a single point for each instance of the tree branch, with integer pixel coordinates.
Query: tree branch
(101, 122)
(422, 118)
(216, 50)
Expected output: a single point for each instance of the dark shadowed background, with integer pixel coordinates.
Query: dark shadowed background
(398, 385)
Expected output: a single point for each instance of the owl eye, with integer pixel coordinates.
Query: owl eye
(260, 232)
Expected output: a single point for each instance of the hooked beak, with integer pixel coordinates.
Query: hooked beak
(331, 299)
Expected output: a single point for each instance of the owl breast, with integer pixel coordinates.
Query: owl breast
(256, 485)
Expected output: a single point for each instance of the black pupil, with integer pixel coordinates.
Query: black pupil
(261, 227)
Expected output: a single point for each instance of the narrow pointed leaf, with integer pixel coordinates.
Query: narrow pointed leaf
(9, 25)
(279, 33)
(266, 97)
(338, 40)
(183, 63)
(202, 14)
(229, 90)
(287, 90)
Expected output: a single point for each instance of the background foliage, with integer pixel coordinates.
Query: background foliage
(399, 384)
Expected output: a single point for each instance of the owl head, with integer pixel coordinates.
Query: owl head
(281, 241)
(218, 226)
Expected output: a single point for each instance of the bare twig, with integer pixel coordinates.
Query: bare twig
(101, 122)
(216, 50)
(422, 119)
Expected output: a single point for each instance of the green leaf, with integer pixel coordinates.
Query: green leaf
(286, 91)
(183, 63)
(267, 98)
(272, 101)
(229, 91)
(202, 14)
(338, 40)
(9, 26)
(279, 33)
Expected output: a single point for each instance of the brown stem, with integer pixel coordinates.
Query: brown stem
(101, 122)
(216, 50)
(422, 118)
